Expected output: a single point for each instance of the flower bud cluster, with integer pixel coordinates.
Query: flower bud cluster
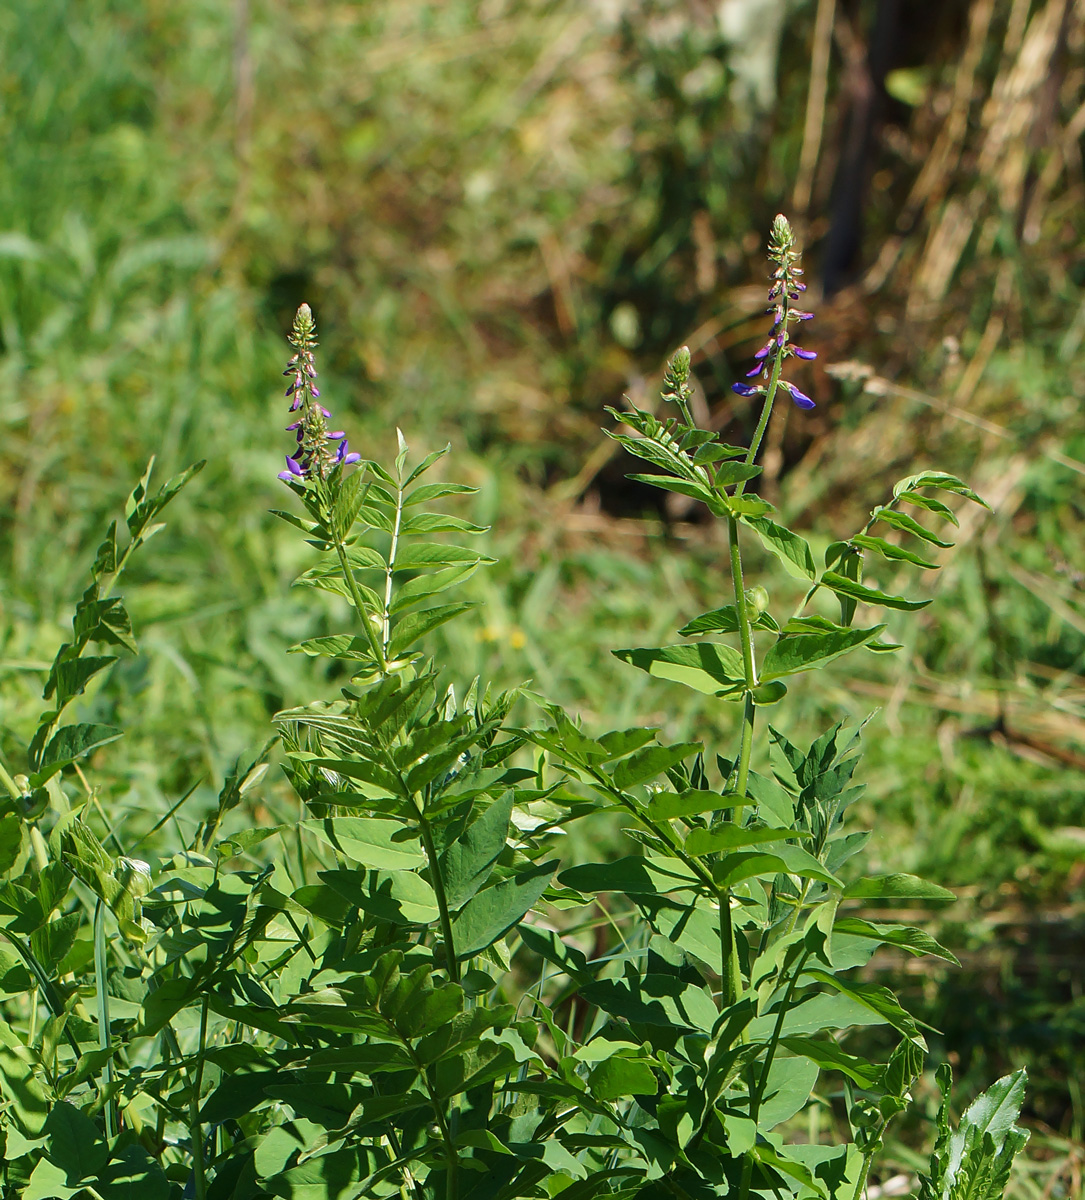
(785, 289)
(319, 449)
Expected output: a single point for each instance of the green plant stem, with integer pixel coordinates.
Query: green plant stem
(766, 410)
(868, 1158)
(386, 626)
(749, 666)
(360, 606)
(438, 885)
(102, 988)
(9, 783)
(774, 1041)
(195, 1128)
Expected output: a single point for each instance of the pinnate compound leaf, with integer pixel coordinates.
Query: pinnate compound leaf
(795, 652)
(791, 549)
(857, 591)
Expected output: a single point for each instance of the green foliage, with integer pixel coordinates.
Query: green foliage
(394, 991)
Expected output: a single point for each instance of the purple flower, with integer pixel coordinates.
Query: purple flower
(799, 352)
(746, 389)
(800, 398)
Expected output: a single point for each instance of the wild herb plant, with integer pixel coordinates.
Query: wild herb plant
(404, 991)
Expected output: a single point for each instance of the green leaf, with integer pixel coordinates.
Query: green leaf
(891, 552)
(422, 586)
(615, 1077)
(705, 666)
(938, 479)
(930, 504)
(791, 549)
(73, 1143)
(468, 862)
(879, 1000)
(437, 523)
(335, 645)
(795, 652)
(997, 1109)
(899, 520)
(400, 897)
(433, 491)
(684, 487)
(907, 937)
(791, 860)
(426, 463)
(430, 554)
(633, 875)
(856, 591)
(829, 1056)
(371, 842)
(69, 743)
(896, 887)
(650, 762)
(490, 914)
(132, 1174)
(620, 742)
(725, 620)
(665, 806)
(417, 624)
(730, 837)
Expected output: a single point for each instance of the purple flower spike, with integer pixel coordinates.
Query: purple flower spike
(800, 398)
(745, 389)
(799, 352)
(320, 450)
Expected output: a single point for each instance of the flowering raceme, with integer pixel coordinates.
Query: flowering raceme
(319, 449)
(786, 288)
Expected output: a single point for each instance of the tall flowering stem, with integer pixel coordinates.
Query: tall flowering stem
(315, 468)
(785, 288)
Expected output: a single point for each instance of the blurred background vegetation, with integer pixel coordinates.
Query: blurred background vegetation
(505, 214)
